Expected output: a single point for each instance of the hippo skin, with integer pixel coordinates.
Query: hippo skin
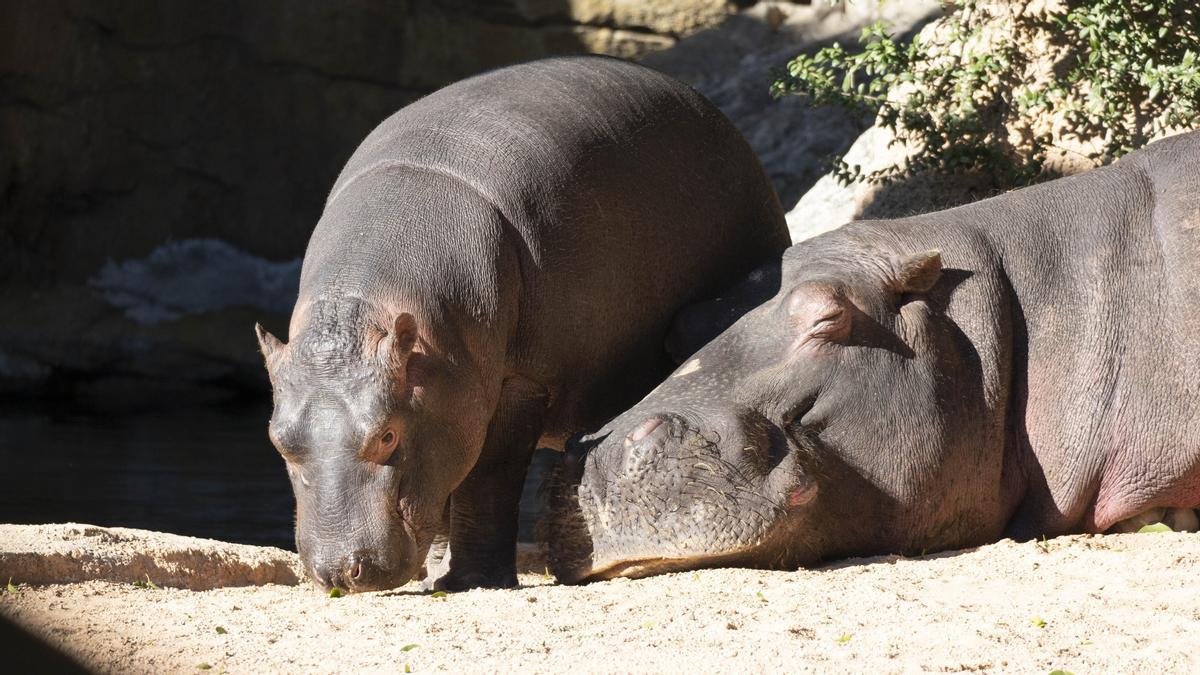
(497, 267)
(1024, 366)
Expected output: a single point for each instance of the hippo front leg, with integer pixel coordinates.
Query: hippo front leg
(437, 561)
(484, 508)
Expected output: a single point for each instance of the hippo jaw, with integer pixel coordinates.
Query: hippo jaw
(645, 567)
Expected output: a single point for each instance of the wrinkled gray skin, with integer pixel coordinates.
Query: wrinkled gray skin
(496, 268)
(1023, 366)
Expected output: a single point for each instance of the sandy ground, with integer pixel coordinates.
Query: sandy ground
(1117, 603)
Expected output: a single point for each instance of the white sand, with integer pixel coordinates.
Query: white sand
(1118, 603)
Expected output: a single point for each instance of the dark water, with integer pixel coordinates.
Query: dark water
(208, 472)
(204, 472)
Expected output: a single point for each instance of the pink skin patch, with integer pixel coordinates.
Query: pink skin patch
(801, 495)
(644, 429)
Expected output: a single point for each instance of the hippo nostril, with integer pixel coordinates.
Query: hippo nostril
(319, 577)
(354, 569)
(644, 429)
(641, 448)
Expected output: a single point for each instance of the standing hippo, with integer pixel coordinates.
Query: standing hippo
(497, 267)
(1023, 366)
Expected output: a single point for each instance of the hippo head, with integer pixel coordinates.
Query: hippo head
(780, 442)
(364, 419)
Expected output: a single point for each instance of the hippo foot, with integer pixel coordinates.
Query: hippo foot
(464, 581)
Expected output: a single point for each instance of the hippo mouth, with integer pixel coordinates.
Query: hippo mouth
(637, 568)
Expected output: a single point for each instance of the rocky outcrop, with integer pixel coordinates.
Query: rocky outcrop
(734, 64)
(831, 204)
(69, 342)
(1044, 55)
(67, 553)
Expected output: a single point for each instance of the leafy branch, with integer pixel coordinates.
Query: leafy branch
(998, 88)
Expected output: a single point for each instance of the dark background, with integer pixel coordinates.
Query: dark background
(125, 124)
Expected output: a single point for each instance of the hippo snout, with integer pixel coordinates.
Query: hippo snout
(326, 573)
(671, 489)
(338, 572)
(357, 572)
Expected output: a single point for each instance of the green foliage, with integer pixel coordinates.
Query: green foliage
(147, 584)
(996, 87)
(1139, 64)
(1155, 527)
(336, 592)
(1043, 545)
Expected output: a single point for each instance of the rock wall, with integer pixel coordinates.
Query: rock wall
(125, 125)
(148, 147)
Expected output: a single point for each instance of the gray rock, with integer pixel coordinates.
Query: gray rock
(830, 204)
(72, 342)
(734, 65)
(195, 276)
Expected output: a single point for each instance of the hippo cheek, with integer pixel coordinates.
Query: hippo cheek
(794, 485)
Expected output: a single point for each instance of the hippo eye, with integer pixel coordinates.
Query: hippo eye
(827, 322)
(381, 452)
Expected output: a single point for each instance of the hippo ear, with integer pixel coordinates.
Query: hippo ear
(270, 346)
(917, 273)
(395, 348)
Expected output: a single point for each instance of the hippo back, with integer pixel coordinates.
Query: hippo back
(621, 185)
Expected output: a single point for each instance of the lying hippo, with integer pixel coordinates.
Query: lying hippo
(1027, 365)
(497, 267)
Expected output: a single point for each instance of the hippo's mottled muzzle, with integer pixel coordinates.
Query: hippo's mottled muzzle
(670, 495)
